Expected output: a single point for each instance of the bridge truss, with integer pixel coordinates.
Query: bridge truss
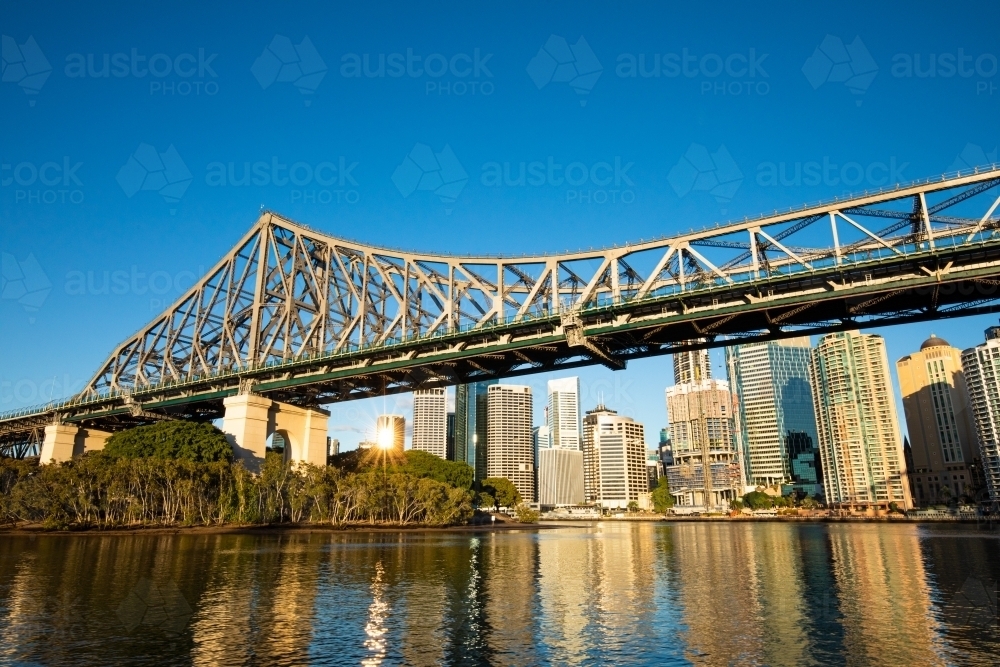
(306, 318)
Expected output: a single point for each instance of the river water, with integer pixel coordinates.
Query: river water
(590, 594)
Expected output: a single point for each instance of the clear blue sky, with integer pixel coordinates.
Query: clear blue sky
(199, 86)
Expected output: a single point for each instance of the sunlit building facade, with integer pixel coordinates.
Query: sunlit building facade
(860, 446)
(430, 421)
(470, 425)
(510, 452)
(562, 415)
(614, 459)
(939, 421)
(981, 365)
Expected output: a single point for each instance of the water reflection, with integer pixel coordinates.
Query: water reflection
(702, 593)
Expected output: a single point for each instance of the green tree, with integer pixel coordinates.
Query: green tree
(425, 465)
(633, 506)
(502, 490)
(662, 500)
(525, 514)
(758, 500)
(179, 440)
(736, 504)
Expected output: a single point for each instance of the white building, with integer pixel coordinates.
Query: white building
(430, 421)
(510, 452)
(614, 455)
(563, 414)
(982, 376)
(560, 476)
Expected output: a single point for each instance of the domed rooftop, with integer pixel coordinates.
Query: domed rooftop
(934, 341)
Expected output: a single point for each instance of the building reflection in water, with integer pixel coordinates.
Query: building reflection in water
(709, 593)
(884, 594)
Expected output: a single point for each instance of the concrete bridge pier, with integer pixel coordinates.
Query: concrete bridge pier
(65, 441)
(250, 420)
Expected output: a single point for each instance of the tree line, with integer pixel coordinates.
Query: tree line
(181, 474)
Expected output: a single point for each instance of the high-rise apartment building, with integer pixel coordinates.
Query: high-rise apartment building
(939, 419)
(776, 420)
(562, 416)
(509, 450)
(860, 447)
(430, 421)
(981, 365)
(614, 458)
(390, 432)
(560, 476)
(706, 471)
(470, 424)
(692, 366)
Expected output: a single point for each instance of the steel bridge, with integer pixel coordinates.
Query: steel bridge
(305, 319)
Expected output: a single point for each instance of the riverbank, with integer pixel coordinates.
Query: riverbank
(283, 528)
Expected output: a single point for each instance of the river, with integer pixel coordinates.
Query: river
(589, 594)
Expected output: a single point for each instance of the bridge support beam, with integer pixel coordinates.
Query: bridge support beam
(250, 420)
(65, 441)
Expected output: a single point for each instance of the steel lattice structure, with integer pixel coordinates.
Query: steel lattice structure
(308, 318)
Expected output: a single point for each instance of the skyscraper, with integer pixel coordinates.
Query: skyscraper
(390, 432)
(940, 422)
(860, 447)
(563, 413)
(705, 471)
(430, 421)
(614, 458)
(509, 450)
(451, 436)
(692, 366)
(470, 424)
(777, 425)
(560, 476)
(981, 365)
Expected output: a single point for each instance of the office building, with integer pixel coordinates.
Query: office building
(861, 450)
(614, 459)
(981, 365)
(562, 415)
(509, 450)
(943, 447)
(332, 446)
(776, 422)
(390, 432)
(470, 424)
(560, 476)
(706, 472)
(430, 421)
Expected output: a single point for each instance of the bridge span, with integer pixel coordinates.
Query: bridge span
(291, 318)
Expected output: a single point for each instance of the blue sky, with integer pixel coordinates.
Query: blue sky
(200, 86)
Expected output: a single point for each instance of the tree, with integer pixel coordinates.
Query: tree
(662, 500)
(633, 506)
(736, 504)
(178, 440)
(426, 465)
(809, 503)
(502, 490)
(758, 500)
(525, 514)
